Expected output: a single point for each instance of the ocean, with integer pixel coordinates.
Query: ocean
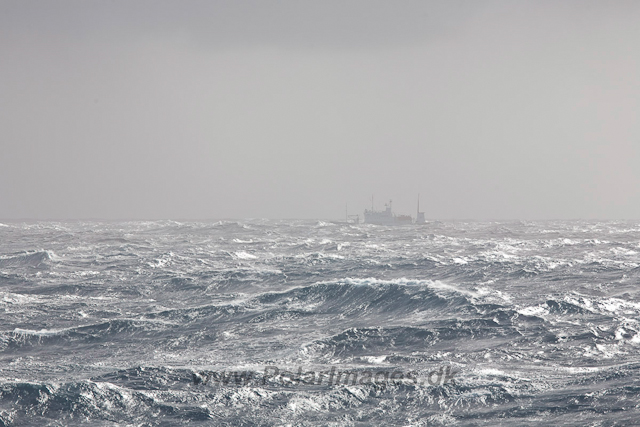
(314, 323)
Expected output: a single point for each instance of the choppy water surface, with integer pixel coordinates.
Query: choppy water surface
(110, 323)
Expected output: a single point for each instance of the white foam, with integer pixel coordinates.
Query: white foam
(375, 359)
(537, 310)
(245, 255)
(609, 350)
(580, 370)
(41, 332)
(491, 371)
(11, 298)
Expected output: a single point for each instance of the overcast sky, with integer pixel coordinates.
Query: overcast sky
(290, 109)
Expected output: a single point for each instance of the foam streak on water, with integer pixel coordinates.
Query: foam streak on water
(110, 323)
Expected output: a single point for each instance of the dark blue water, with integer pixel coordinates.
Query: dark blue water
(242, 323)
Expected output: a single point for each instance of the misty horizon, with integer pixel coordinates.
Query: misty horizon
(201, 110)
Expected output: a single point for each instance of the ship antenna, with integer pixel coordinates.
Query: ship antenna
(418, 203)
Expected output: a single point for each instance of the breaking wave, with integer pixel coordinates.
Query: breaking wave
(34, 259)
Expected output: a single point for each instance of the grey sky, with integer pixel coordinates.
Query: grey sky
(289, 109)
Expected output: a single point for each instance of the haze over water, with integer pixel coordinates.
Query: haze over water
(282, 109)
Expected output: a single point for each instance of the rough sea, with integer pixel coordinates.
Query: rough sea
(311, 323)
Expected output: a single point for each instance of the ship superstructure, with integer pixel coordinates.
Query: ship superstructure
(385, 217)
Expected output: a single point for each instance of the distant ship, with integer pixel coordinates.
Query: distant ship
(386, 217)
